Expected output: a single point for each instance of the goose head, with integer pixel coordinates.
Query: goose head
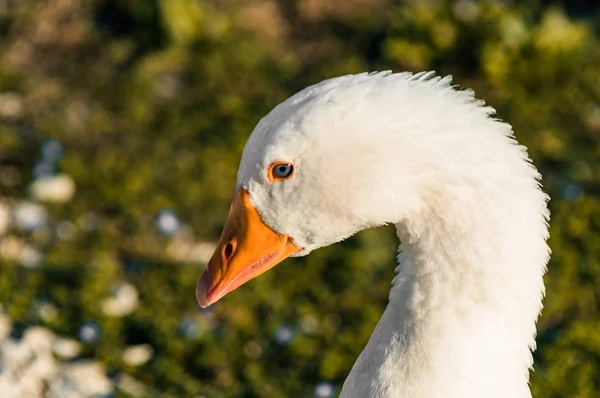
(311, 174)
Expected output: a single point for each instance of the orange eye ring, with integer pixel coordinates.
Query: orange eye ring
(280, 170)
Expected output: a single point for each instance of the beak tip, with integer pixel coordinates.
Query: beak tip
(202, 291)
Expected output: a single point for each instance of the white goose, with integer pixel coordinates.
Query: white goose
(364, 150)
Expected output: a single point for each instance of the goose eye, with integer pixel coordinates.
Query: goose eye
(280, 171)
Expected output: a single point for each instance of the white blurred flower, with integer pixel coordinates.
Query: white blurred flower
(9, 386)
(131, 386)
(89, 332)
(43, 367)
(11, 105)
(6, 325)
(58, 189)
(29, 384)
(66, 348)
(123, 303)
(284, 334)
(168, 222)
(15, 354)
(30, 216)
(189, 251)
(10, 247)
(38, 339)
(203, 251)
(28, 369)
(4, 218)
(30, 257)
(89, 377)
(138, 354)
(324, 389)
(179, 249)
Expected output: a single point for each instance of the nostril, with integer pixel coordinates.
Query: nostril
(227, 251)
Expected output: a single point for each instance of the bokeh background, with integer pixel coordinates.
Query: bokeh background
(121, 127)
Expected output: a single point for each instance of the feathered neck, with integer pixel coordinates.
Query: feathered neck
(414, 151)
(469, 288)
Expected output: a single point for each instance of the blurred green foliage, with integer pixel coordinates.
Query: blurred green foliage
(153, 102)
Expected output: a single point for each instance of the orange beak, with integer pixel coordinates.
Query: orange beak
(246, 249)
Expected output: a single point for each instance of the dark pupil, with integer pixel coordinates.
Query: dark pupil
(283, 170)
